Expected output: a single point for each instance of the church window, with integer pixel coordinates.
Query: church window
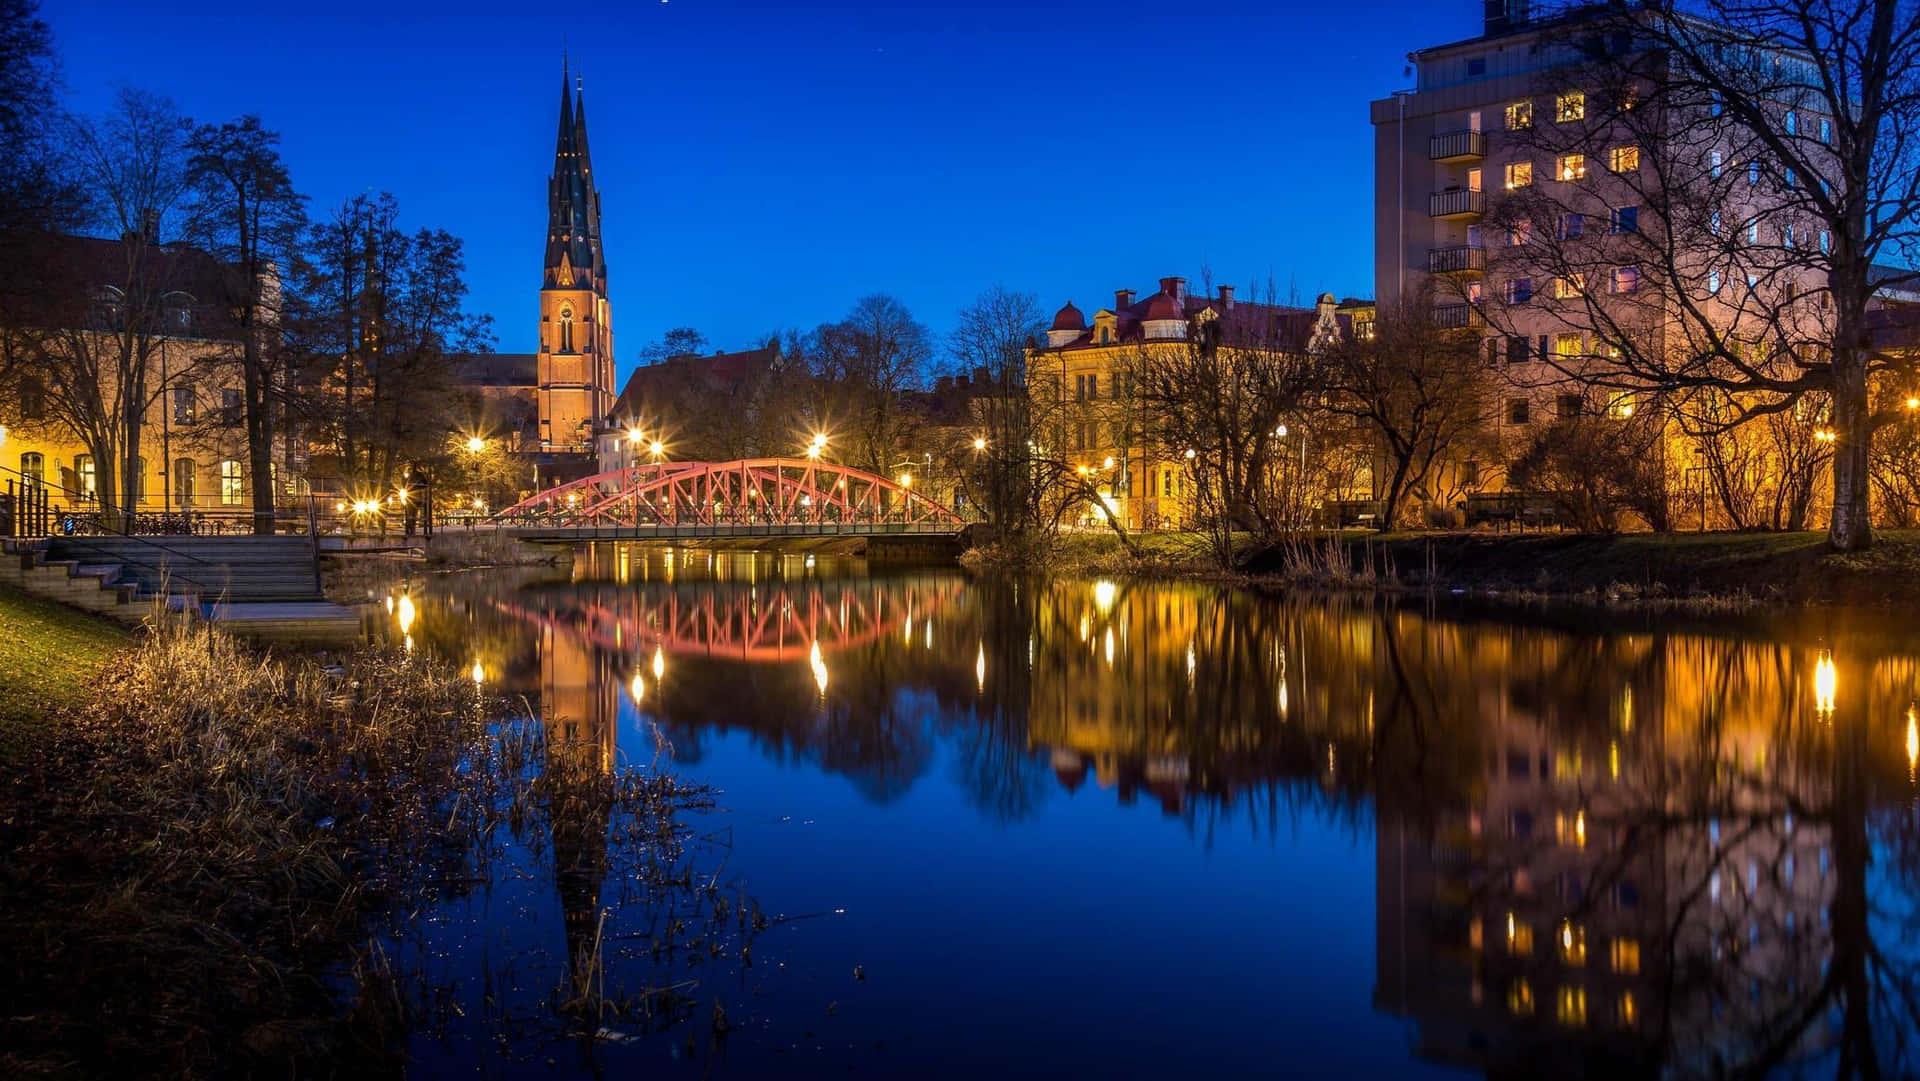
(566, 330)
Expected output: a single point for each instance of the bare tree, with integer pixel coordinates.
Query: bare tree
(863, 365)
(1749, 173)
(1001, 475)
(90, 347)
(252, 220)
(1421, 392)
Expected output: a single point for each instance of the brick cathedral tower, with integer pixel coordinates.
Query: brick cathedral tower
(575, 367)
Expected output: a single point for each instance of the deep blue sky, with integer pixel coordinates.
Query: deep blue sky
(763, 166)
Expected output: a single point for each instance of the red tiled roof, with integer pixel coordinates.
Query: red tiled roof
(1069, 318)
(651, 384)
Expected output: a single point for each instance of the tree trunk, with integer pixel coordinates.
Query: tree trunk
(1851, 527)
(259, 443)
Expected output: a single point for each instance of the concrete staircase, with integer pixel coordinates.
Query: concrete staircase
(263, 587)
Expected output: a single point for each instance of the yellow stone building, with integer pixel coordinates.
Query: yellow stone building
(192, 454)
(1086, 408)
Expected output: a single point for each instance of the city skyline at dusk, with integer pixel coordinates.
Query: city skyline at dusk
(762, 168)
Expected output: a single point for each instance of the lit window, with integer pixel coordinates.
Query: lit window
(1566, 345)
(1573, 944)
(1753, 230)
(1626, 279)
(1570, 167)
(1571, 1008)
(1620, 407)
(1626, 1010)
(33, 466)
(1626, 956)
(184, 481)
(1713, 282)
(1826, 242)
(1713, 223)
(232, 488)
(1520, 997)
(1519, 937)
(1571, 105)
(1519, 115)
(83, 469)
(1625, 159)
(1826, 131)
(1753, 172)
(1713, 164)
(1519, 174)
(1793, 122)
(1786, 234)
(1568, 288)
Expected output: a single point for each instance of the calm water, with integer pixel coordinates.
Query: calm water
(1111, 830)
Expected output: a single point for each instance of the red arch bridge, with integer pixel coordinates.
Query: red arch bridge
(749, 497)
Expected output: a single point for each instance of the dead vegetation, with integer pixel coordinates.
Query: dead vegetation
(208, 869)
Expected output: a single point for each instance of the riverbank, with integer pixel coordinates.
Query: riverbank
(1730, 568)
(50, 656)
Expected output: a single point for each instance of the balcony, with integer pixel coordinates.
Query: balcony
(1456, 204)
(1462, 259)
(1456, 316)
(1458, 146)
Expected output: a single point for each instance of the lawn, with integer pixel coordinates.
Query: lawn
(49, 656)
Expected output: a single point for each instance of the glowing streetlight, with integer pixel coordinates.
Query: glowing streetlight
(1825, 435)
(906, 480)
(1108, 463)
(1280, 432)
(656, 448)
(1912, 403)
(818, 444)
(1190, 454)
(979, 442)
(635, 436)
(475, 444)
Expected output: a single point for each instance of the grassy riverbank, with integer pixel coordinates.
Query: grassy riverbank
(1769, 568)
(50, 656)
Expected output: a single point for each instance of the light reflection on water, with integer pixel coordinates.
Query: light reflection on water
(1128, 829)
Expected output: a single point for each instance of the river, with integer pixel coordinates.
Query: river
(1109, 829)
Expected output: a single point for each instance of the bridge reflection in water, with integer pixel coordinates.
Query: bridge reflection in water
(1649, 849)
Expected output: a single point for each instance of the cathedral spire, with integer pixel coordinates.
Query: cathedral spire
(573, 206)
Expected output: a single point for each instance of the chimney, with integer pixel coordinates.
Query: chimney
(980, 375)
(1226, 297)
(1122, 299)
(1175, 288)
(943, 384)
(1505, 16)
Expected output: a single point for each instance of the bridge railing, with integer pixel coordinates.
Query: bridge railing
(718, 530)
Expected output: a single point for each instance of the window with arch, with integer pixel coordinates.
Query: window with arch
(232, 483)
(185, 479)
(566, 330)
(33, 466)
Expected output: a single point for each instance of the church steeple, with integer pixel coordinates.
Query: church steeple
(575, 365)
(573, 206)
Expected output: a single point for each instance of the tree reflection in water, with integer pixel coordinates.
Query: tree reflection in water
(1651, 848)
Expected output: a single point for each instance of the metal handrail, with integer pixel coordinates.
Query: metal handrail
(161, 568)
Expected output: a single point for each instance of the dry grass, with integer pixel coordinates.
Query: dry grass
(189, 869)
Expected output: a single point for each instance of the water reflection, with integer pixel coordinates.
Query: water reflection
(1650, 850)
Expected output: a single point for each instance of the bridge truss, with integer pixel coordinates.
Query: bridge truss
(751, 491)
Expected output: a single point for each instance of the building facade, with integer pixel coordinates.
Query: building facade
(1085, 399)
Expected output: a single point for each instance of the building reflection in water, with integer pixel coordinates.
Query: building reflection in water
(1631, 851)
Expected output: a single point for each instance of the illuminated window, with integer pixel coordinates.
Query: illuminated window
(1626, 956)
(1626, 279)
(1626, 1010)
(33, 466)
(185, 479)
(1620, 407)
(1570, 167)
(1520, 116)
(1519, 937)
(1568, 288)
(1476, 935)
(83, 469)
(1793, 122)
(1567, 346)
(1519, 174)
(1625, 159)
(1567, 764)
(1520, 997)
(1571, 105)
(1713, 282)
(1570, 829)
(1573, 944)
(232, 487)
(1571, 1007)
(1713, 164)
(1753, 172)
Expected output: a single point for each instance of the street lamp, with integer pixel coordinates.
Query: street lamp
(979, 442)
(475, 444)
(636, 436)
(906, 480)
(1912, 403)
(656, 448)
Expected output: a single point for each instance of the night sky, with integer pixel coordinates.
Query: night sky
(763, 166)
